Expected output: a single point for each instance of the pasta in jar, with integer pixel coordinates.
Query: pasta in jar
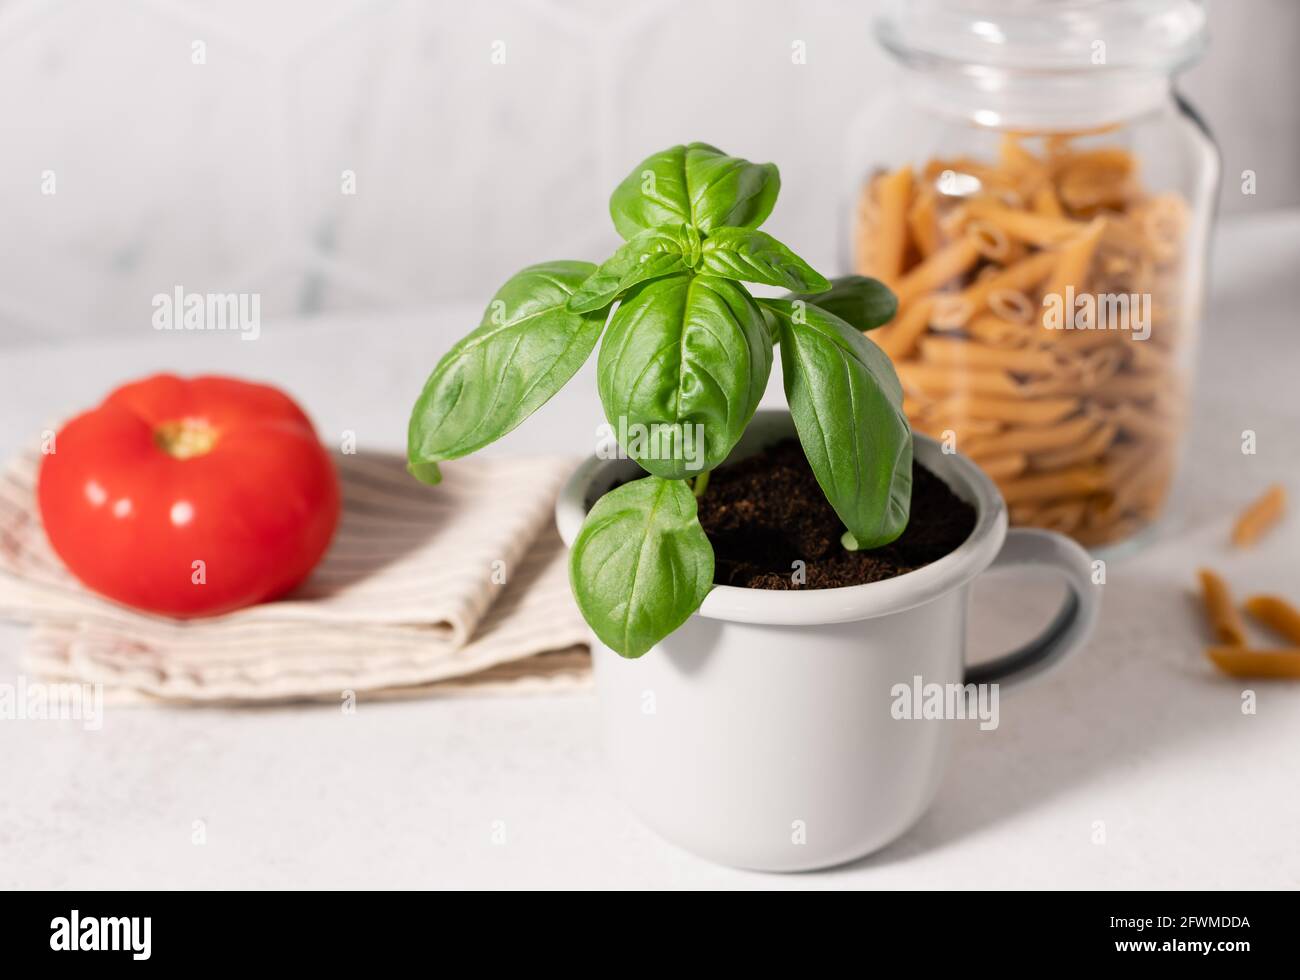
(1044, 295)
(1038, 195)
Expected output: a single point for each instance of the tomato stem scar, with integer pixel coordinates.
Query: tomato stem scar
(185, 438)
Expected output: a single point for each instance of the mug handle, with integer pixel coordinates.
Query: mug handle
(1073, 622)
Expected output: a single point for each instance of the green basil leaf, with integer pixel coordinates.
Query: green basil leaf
(653, 253)
(527, 346)
(641, 564)
(847, 405)
(862, 303)
(682, 368)
(696, 184)
(755, 256)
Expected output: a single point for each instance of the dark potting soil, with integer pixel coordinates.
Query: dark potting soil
(767, 511)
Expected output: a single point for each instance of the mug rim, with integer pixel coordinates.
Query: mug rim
(811, 607)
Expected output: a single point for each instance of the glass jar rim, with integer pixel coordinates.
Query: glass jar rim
(1038, 37)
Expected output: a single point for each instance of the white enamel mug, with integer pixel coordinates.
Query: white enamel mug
(761, 734)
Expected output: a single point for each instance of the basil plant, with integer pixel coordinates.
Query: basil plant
(684, 359)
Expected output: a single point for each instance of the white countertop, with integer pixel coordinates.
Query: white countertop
(1136, 732)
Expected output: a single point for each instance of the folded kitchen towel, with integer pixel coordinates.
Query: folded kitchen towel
(456, 588)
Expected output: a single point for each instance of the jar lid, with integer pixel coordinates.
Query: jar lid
(1030, 36)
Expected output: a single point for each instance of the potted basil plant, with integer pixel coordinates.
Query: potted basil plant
(683, 362)
(760, 733)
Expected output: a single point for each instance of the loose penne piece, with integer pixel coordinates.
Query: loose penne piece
(1260, 516)
(1225, 622)
(1277, 614)
(1239, 662)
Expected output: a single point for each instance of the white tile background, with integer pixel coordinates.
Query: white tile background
(226, 176)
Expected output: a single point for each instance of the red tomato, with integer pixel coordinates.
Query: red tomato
(190, 497)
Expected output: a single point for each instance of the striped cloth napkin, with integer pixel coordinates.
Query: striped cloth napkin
(449, 589)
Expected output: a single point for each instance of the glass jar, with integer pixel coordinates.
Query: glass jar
(1040, 199)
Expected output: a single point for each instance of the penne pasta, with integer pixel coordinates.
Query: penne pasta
(988, 328)
(1072, 482)
(1093, 535)
(1133, 386)
(1077, 340)
(1024, 275)
(1011, 305)
(1093, 179)
(965, 429)
(1073, 260)
(1238, 662)
(1064, 516)
(1041, 411)
(938, 270)
(1277, 614)
(898, 338)
(1027, 226)
(1032, 440)
(1004, 467)
(923, 223)
(1076, 422)
(965, 353)
(1259, 517)
(950, 311)
(1017, 158)
(1045, 202)
(1136, 485)
(1225, 622)
(938, 380)
(890, 243)
(1084, 451)
(1141, 423)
